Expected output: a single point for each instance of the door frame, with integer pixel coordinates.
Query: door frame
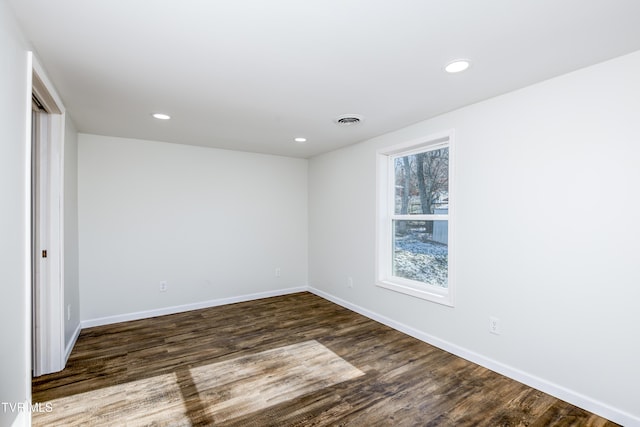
(48, 273)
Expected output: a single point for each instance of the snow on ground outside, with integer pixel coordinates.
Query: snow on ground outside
(424, 261)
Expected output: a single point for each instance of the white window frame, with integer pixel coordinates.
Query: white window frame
(385, 216)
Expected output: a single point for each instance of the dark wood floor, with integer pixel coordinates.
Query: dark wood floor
(295, 360)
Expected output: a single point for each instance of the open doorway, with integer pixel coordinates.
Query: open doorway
(46, 229)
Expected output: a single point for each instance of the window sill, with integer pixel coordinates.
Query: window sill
(433, 296)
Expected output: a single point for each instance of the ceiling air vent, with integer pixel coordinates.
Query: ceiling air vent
(349, 120)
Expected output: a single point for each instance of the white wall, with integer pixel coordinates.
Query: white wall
(71, 268)
(548, 234)
(212, 223)
(15, 357)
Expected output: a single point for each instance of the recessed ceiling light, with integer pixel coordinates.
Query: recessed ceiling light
(300, 139)
(161, 116)
(457, 66)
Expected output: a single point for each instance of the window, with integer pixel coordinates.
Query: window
(414, 227)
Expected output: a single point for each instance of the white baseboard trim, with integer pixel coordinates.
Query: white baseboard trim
(72, 343)
(89, 323)
(543, 385)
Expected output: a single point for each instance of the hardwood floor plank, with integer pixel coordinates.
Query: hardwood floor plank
(295, 360)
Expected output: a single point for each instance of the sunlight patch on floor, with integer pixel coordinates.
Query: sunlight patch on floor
(210, 393)
(252, 383)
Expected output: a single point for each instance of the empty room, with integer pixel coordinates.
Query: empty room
(319, 213)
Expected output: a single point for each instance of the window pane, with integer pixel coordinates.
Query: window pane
(420, 251)
(422, 183)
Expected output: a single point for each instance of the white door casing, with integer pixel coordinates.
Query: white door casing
(48, 292)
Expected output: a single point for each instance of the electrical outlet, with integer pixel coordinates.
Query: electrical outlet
(278, 272)
(350, 282)
(494, 325)
(163, 286)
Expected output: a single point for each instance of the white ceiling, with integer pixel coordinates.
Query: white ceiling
(251, 75)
